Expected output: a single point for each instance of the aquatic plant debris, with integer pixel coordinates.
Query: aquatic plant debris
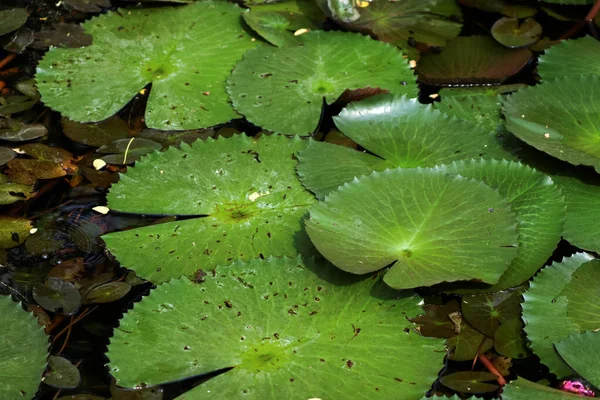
(328, 326)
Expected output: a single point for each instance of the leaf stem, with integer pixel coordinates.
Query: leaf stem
(488, 364)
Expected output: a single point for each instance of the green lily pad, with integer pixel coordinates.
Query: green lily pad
(583, 295)
(560, 118)
(12, 19)
(485, 312)
(509, 339)
(279, 324)
(400, 132)
(545, 311)
(242, 193)
(479, 105)
(13, 231)
(183, 51)
(427, 21)
(24, 351)
(432, 226)
(12, 192)
(468, 344)
(514, 33)
(472, 60)
(538, 204)
(57, 295)
(108, 292)
(583, 213)
(523, 389)
(283, 89)
(62, 374)
(581, 353)
(278, 27)
(571, 58)
(470, 382)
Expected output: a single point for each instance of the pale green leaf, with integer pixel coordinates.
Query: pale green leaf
(521, 389)
(580, 351)
(571, 58)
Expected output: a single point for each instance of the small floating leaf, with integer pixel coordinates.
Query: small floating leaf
(470, 382)
(11, 192)
(59, 295)
(514, 33)
(62, 374)
(510, 341)
(294, 81)
(13, 231)
(329, 326)
(6, 155)
(12, 19)
(472, 60)
(432, 226)
(99, 134)
(485, 312)
(468, 344)
(107, 292)
(24, 351)
(21, 132)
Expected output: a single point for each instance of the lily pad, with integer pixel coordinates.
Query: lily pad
(472, 60)
(427, 21)
(13, 231)
(6, 155)
(432, 226)
(182, 51)
(583, 296)
(57, 295)
(12, 19)
(468, 344)
(20, 132)
(509, 339)
(62, 374)
(11, 192)
(283, 89)
(580, 352)
(437, 322)
(523, 389)
(470, 382)
(583, 212)
(571, 58)
(278, 27)
(545, 311)
(329, 327)
(515, 33)
(560, 118)
(485, 312)
(242, 193)
(108, 292)
(24, 351)
(98, 134)
(538, 204)
(400, 132)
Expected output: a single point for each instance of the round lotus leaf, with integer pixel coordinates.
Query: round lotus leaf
(514, 33)
(573, 57)
(580, 351)
(545, 311)
(62, 374)
(523, 389)
(470, 381)
(560, 118)
(401, 132)
(185, 52)
(583, 213)
(283, 89)
(278, 323)
(509, 339)
(472, 59)
(432, 226)
(24, 351)
(241, 194)
(538, 204)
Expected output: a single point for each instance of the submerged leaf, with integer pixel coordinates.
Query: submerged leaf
(509, 339)
(283, 89)
(24, 351)
(96, 134)
(182, 51)
(468, 344)
(242, 193)
(432, 226)
(472, 60)
(485, 312)
(328, 327)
